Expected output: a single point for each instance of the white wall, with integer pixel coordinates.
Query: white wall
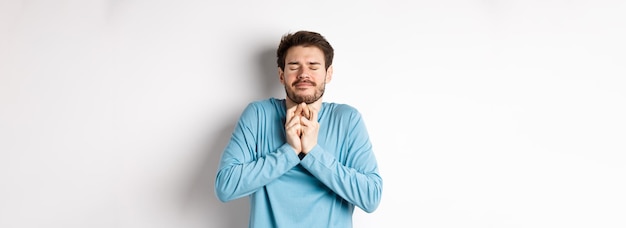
(482, 113)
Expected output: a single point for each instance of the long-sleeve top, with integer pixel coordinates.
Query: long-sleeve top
(319, 190)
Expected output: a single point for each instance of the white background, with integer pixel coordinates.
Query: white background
(482, 113)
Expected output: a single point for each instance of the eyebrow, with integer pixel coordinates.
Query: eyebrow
(310, 63)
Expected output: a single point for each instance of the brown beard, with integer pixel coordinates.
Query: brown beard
(319, 92)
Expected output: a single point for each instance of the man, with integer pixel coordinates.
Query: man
(302, 162)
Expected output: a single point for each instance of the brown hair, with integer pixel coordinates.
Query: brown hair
(306, 39)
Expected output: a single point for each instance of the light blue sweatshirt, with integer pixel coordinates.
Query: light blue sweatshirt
(320, 190)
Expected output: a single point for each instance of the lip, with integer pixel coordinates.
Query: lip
(303, 84)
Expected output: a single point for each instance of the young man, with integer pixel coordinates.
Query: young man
(303, 162)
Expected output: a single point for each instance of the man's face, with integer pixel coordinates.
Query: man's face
(305, 75)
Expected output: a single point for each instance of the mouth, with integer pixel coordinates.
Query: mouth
(303, 84)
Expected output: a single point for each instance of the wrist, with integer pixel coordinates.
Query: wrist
(301, 155)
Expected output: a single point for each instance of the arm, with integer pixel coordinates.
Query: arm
(357, 179)
(242, 169)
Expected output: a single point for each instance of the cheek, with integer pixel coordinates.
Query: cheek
(290, 77)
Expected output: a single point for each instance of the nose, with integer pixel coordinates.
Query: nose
(303, 74)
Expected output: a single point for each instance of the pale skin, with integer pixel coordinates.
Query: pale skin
(304, 76)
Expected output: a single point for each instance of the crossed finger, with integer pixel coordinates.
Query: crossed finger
(306, 112)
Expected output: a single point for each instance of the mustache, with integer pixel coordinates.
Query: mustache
(303, 81)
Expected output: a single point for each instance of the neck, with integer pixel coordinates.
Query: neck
(317, 105)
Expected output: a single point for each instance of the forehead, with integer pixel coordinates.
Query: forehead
(301, 53)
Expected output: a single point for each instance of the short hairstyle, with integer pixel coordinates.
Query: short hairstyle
(306, 39)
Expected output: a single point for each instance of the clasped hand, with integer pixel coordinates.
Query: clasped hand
(301, 127)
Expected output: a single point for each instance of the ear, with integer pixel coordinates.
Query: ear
(281, 76)
(329, 74)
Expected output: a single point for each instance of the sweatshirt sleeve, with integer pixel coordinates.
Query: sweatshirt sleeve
(242, 169)
(356, 179)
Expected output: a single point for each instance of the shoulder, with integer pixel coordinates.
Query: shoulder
(269, 103)
(342, 110)
(263, 107)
